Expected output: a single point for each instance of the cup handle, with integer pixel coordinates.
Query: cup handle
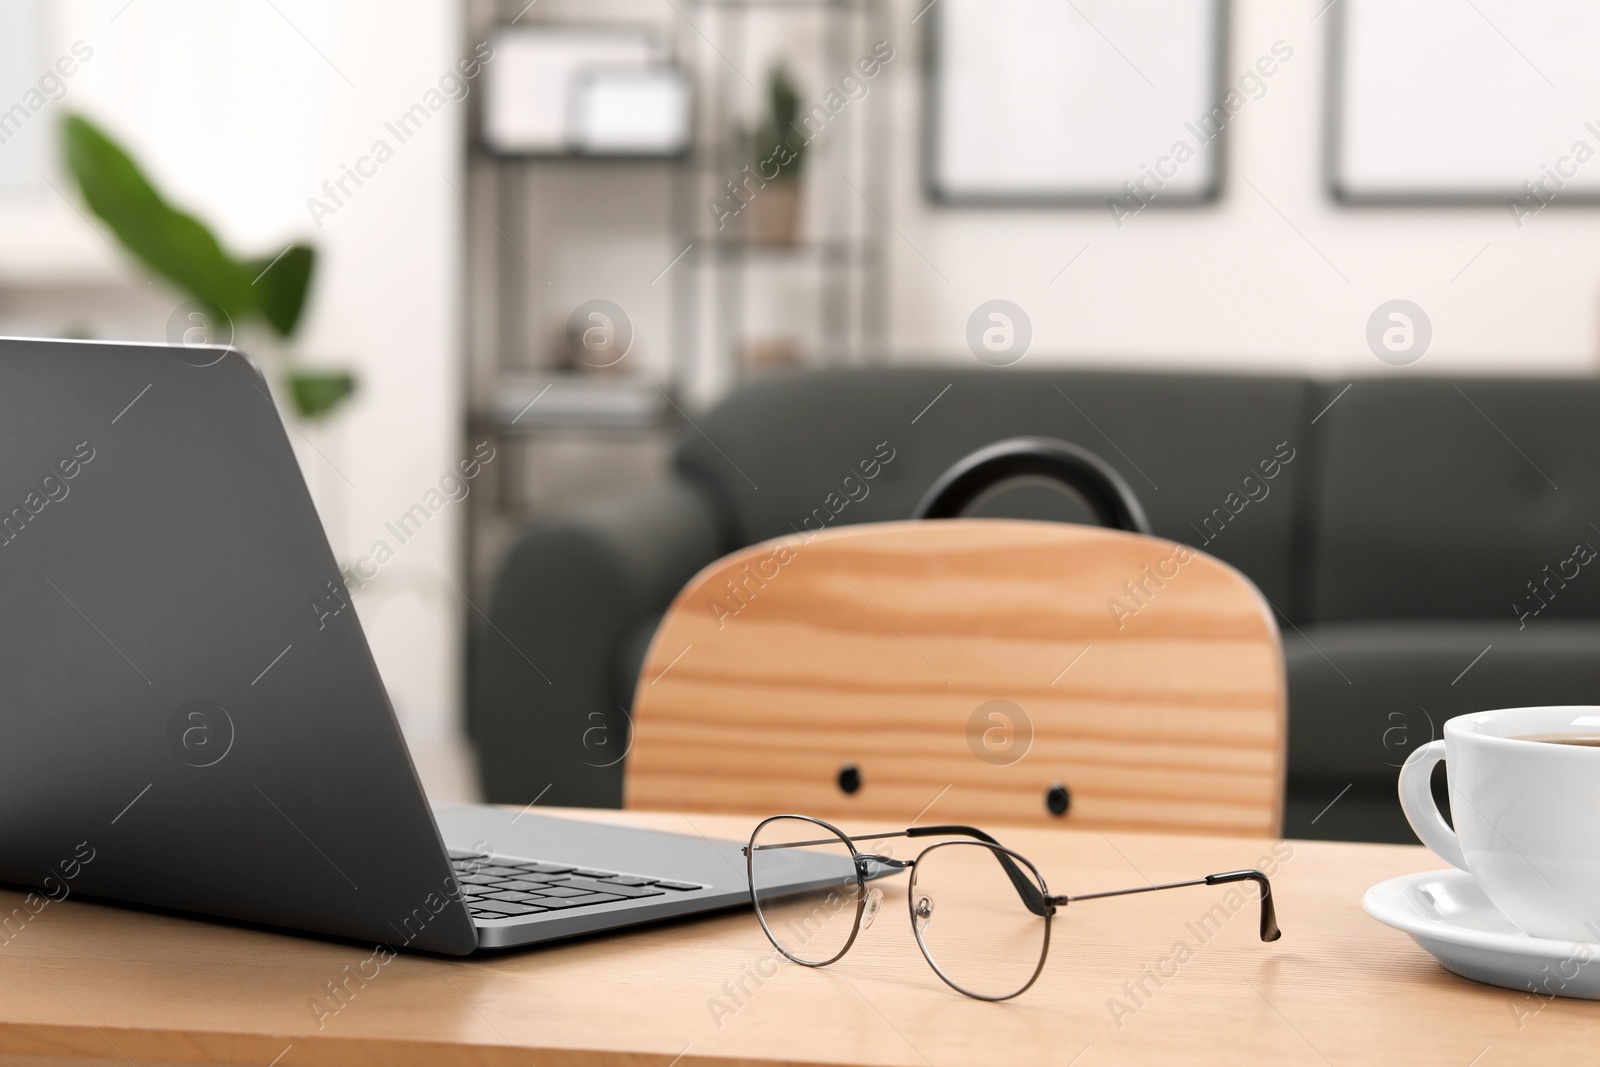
(1416, 800)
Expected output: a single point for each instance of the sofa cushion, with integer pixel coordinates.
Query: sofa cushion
(547, 707)
(1364, 696)
(1446, 498)
(1192, 446)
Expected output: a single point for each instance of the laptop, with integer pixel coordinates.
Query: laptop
(192, 718)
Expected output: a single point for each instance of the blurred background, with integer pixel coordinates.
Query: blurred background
(557, 236)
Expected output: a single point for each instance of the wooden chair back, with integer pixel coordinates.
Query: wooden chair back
(961, 671)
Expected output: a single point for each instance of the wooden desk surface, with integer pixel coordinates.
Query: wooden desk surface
(86, 983)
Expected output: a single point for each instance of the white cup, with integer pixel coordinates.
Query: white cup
(1526, 813)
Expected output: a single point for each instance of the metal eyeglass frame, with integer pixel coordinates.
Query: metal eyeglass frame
(1035, 895)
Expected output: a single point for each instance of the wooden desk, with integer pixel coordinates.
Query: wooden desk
(84, 983)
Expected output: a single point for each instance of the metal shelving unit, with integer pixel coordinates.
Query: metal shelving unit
(710, 302)
(840, 242)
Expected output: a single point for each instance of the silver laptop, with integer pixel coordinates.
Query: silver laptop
(191, 718)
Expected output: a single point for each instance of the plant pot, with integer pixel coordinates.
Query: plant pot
(773, 215)
(769, 354)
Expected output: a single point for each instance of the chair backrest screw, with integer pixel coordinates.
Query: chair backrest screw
(1057, 799)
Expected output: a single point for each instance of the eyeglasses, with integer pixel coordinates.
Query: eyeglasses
(980, 912)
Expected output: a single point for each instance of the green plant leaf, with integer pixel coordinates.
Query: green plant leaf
(281, 286)
(782, 97)
(174, 244)
(778, 127)
(317, 393)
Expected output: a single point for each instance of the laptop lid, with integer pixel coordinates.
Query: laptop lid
(190, 714)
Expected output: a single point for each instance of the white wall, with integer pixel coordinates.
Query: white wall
(239, 117)
(1230, 284)
(1233, 284)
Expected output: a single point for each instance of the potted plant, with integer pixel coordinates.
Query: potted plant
(225, 292)
(778, 148)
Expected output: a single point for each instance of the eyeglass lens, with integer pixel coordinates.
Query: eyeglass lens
(806, 888)
(973, 924)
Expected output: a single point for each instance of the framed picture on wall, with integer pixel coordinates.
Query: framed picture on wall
(1043, 102)
(1436, 101)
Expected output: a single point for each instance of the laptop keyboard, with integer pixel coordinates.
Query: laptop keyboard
(498, 888)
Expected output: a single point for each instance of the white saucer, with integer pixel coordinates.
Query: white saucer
(1447, 914)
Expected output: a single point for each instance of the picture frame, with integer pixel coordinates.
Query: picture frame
(994, 78)
(1489, 96)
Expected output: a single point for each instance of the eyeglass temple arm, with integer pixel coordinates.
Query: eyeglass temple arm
(1269, 914)
(1032, 899)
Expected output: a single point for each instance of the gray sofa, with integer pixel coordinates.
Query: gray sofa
(1420, 542)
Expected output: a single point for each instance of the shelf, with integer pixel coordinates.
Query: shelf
(484, 151)
(778, 5)
(50, 243)
(543, 401)
(862, 249)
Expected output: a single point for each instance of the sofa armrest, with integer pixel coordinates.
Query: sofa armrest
(543, 708)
